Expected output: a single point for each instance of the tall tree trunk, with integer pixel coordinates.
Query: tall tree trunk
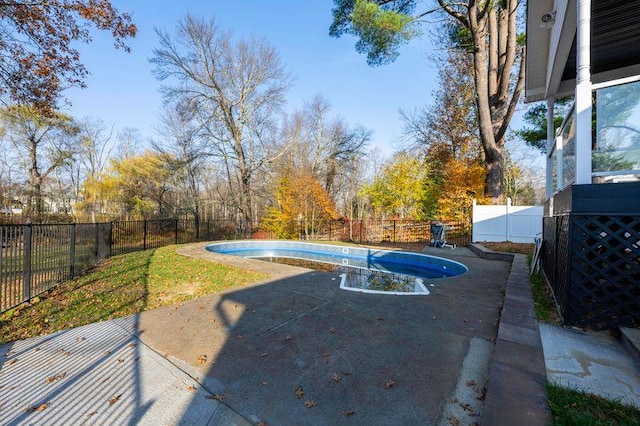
(35, 202)
(494, 36)
(245, 184)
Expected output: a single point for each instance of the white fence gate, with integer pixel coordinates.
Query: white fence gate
(518, 224)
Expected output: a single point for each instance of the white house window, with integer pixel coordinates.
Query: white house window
(616, 155)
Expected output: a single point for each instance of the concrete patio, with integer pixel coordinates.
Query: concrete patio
(295, 349)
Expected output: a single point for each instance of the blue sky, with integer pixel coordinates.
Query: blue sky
(122, 90)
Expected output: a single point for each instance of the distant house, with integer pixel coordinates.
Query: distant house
(590, 50)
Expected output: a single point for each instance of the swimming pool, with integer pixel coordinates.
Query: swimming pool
(404, 273)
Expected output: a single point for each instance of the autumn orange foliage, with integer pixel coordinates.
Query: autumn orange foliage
(303, 205)
(463, 181)
(39, 57)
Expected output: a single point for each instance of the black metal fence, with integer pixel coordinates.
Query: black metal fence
(35, 258)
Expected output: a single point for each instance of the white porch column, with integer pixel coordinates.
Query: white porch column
(559, 163)
(550, 146)
(583, 94)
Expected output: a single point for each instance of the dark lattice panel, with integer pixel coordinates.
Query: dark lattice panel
(561, 289)
(549, 249)
(555, 258)
(605, 271)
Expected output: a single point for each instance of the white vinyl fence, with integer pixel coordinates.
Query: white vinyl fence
(518, 224)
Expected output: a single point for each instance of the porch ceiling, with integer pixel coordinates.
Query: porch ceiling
(615, 46)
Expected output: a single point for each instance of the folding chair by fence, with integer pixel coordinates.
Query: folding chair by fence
(438, 236)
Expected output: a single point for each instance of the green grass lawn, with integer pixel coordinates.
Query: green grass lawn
(122, 285)
(572, 407)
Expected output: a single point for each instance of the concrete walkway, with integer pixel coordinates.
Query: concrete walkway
(593, 362)
(99, 374)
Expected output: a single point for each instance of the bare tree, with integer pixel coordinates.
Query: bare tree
(448, 127)
(323, 145)
(184, 149)
(332, 143)
(94, 150)
(8, 174)
(523, 173)
(128, 143)
(43, 145)
(236, 90)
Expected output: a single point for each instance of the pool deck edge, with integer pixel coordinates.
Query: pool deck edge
(516, 389)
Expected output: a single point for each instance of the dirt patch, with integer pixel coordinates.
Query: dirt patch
(509, 247)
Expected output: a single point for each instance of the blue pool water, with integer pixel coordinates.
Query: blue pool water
(363, 269)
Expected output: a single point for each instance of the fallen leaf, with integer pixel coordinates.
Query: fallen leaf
(120, 360)
(381, 319)
(348, 412)
(13, 361)
(310, 404)
(80, 339)
(40, 407)
(131, 345)
(217, 397)
(336, 377)
(191, 388)
(483, 396)
(92, 414)
(299, 392)
(471, 382)
(55, 378)
(332, 330)
(114, 399)
(288, 338)
(202, 359)
(389, 384)
(454, 422)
